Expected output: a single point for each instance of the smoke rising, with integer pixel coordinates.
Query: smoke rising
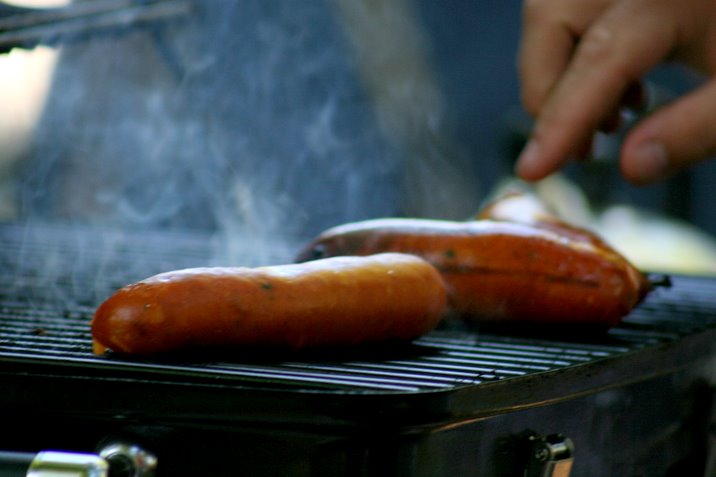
(262, 122)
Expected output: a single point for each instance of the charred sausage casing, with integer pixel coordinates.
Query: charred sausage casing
(333, 302)
(503, 271)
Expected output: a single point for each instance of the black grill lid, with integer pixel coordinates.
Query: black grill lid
(53, 277)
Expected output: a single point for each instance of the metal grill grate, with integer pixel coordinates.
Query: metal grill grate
(53, 277)
(443, 359)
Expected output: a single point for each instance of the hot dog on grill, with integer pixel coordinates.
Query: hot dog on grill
(332, 302)
(499, 271)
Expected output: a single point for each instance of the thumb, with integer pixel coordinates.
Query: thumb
(673, 138)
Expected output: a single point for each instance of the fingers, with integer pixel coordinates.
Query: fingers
(544, 53)
(550, 30)
(673, 138)
(624, 42)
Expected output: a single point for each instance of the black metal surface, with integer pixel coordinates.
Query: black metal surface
(51, 278)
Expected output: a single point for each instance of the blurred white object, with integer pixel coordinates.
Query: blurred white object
(24, 81)
(656, 243)
(25, 77)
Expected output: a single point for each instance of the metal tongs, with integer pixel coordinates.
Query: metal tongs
(22, 27)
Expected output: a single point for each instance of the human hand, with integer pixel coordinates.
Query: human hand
(581, 61)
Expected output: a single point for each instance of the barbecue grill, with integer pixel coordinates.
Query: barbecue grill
(459, 401)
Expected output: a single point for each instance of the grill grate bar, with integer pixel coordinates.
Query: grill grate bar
(580, 349)
(517, 354)
(246, 375)
(433, 364)
(495, 366)
(49, 343)
(316, 374)
(11, 350)
(425, 370)
(421, 379)
(516, 360)
(326, 378)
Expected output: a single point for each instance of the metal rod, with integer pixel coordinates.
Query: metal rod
(15, 464)
(50, 26)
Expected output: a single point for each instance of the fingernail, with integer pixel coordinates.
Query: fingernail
(650, 161)
(529, 159)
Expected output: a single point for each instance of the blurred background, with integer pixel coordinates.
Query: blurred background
(271, 118)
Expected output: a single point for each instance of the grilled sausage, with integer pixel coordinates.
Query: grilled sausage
(333, 302)
(503, 271)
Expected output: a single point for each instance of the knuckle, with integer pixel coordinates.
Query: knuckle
(599, 50)
(597, 45)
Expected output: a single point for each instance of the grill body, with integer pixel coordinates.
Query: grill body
(458, 402)
(658, 427)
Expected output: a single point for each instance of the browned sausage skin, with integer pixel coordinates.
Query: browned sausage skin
(503, 271)
(333, 302)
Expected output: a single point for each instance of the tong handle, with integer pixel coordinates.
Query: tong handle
(22, 27)
(15, 464)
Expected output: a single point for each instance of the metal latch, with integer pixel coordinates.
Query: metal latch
(128, 460)
(549, 456)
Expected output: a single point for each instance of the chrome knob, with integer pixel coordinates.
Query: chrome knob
(550, 456)
(128, 460)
